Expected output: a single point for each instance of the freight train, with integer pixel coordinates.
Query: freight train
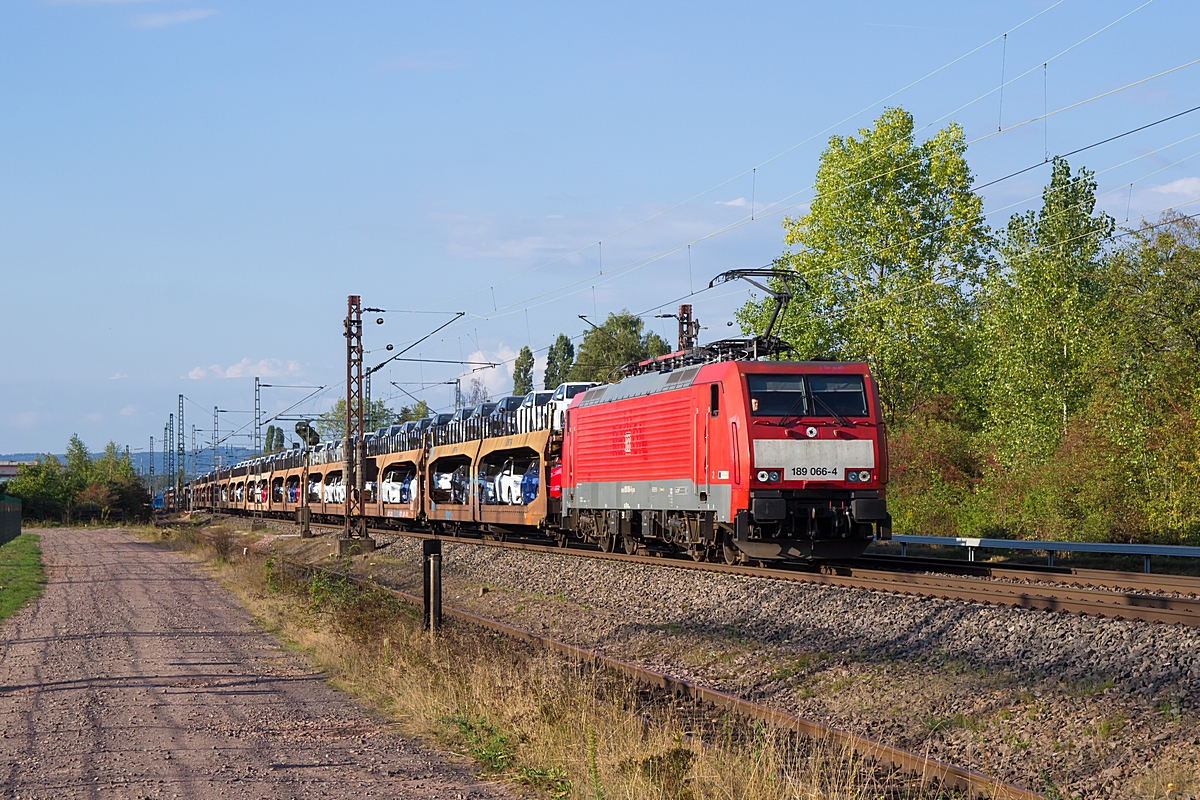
(712, 453)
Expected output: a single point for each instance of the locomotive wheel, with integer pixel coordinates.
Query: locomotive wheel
(561, 540)
(629, 545)
(606, 542)
(698, 553)
(731, 554)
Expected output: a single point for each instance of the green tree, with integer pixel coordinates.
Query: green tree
(107, 484)
(559, 360)
(892, 240)
(269, 440)
(332, 424)
(418, 410)
(476, 393)
(113, 466)
(1145, 400)
(1042, 315)
(523, 372)
(619, 341)
(42, 487)
(98, 495)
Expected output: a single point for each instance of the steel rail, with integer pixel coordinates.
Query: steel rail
(910, 765)
(1065, 599)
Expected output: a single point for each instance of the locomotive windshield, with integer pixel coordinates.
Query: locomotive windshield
(807, 395)
(777, 395)
(838, 395)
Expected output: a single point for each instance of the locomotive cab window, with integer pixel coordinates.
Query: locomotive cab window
(777, 395)
(714, 400)
(838, 395)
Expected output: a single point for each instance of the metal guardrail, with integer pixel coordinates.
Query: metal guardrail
(10, 518)
(1146, 551)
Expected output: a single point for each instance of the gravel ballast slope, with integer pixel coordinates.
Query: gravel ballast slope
(1100, 707)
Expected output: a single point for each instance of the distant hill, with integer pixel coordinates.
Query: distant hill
(141, 461)
(24, 456)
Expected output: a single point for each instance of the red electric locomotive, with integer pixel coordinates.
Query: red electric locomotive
(756, 460)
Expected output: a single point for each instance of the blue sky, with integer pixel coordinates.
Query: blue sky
(188, 191)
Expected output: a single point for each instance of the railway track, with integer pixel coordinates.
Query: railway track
(910, 766)
(1088, 592)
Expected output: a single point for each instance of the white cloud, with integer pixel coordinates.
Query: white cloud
(128, 411)
(515, 238)
(740, 202)
(118, 376)
(167, 18)
(263, 368)
(26, 419)
(499, 379)
(1184, 186)
(429, 61)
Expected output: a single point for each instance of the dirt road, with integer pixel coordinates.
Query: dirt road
(136, 676)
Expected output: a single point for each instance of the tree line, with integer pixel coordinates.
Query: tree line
(1040, 380)
(81, 487)
(603, 350)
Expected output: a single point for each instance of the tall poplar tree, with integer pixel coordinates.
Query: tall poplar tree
(523, 372)
(559, 360)
(1041, 312)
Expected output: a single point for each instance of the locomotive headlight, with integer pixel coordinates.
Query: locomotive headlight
(852, 476)
(864, 475)
(764, 476)
(775, 476)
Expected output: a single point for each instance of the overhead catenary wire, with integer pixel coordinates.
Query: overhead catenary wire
(639, 263)
(1031, 197)
(780, 154)
(593, 281)
(1058, 55)
(739, 223)
(754, 215)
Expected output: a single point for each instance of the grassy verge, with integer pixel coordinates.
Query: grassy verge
(21, 574)
(525, 716)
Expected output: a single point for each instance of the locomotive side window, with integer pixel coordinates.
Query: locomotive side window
(777, 395)
(838, 395)
(714, 400)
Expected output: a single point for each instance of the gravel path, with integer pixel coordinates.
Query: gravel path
(1104, 708)
(136, 676)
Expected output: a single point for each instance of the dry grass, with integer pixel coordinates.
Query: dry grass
(527, 716)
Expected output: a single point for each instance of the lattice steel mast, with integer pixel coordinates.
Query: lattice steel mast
(257, 417)
(352, 445)
(180, 455)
